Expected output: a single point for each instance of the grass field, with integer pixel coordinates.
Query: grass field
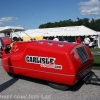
(96, 62)
(96, 59)
(95, 50)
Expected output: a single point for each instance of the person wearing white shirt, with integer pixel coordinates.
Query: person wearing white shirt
(91, 44)
(56, 39)
(86, 41)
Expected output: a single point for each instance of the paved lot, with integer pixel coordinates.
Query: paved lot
(24, 88)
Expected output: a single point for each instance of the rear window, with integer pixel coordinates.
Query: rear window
(82, 54)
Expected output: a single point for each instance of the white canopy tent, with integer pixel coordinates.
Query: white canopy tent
(30, 32)
(59, 31)
(1, 34)
(63, 31)
(70, 31)
(47, 32)
(10, 29)
(98, 33)
(35, 32)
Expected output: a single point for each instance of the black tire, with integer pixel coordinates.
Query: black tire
(58, 86)
(12, 75)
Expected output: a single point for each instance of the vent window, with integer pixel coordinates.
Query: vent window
(82, 54)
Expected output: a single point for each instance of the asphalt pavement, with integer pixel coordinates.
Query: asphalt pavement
(25, 88)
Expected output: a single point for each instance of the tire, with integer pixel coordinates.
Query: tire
(58, 86)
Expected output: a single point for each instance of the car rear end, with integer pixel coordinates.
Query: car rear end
(83, 61)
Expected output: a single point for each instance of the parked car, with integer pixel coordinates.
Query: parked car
(6, 32)
(4, 43)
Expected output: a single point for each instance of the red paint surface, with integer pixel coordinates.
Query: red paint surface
(65, 54)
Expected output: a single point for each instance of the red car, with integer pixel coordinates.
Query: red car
(61, 64)
(4, 43)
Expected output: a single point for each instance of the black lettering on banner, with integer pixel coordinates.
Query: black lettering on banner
(37, 60)
(58, 66)
(27, 58)
(52, 60)
(30, 59)
(40, 60)
(46, 59)
(34, 59)
(43, 60)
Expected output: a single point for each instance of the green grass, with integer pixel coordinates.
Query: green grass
(95, 50)
(96, 59)
(96, 62)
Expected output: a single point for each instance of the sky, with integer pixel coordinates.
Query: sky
(29, 14)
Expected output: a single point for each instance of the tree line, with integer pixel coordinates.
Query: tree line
(92, 24)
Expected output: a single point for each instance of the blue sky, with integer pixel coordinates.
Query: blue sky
(32, 13)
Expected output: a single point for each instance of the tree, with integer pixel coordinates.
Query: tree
(93, 24)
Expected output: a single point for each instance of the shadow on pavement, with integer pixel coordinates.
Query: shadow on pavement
(95, 81)
(35, 80)
(7, 84)
(77, 86)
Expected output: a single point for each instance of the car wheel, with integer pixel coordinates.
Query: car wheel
(58, 86)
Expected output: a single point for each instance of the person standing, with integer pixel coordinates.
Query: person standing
(15, 39)
(56, 39)
(78, 40)
(86, 41)
(91, 44)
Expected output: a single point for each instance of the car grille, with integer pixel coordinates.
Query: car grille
(82, 54)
